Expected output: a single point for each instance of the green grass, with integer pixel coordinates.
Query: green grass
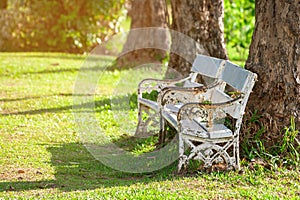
(41, 155)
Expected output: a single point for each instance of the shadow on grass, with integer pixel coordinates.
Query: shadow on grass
(100, 68)
(42, 96)
(99, 63)
(120, 103)
(76, 169)
(72, 70)
(94, 64)
(64, 70)
(54, 56)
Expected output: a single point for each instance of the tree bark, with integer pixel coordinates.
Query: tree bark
(203, 22)
(275, 57)
(144, 13)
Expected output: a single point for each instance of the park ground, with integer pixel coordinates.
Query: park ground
(41, 155)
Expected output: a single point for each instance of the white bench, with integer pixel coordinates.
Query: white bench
(197, 112)
(150, 123)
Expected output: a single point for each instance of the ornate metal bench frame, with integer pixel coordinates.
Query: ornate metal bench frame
(197, 111)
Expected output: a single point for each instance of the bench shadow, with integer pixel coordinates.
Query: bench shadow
(76, 169)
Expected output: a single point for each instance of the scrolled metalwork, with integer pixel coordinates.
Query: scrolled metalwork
(209, 154)
(150, 84)
(192, 112)
(176, 95)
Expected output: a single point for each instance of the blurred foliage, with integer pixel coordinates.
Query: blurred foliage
(239, 21)
(78, 25)
(58, 25)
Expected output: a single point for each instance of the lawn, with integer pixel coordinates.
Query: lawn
(42, 154)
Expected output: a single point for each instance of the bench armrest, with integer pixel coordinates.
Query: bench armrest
(150, 84)
(206, 111)
(173, 95)
(177, 95)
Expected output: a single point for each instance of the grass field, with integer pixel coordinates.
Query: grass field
(41, 155)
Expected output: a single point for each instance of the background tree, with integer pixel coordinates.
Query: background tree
(275, 57)
(202, 21)
(68, 26)
(143, 14)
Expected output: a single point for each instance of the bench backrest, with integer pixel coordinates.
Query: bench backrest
(232, 74)
(240, 79)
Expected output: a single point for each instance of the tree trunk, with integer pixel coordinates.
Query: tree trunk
(144, 13)
(275, 57)
(203, 22)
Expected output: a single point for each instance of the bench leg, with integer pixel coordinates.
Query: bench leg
(215, 156)
(182, 158)
(148, 123)
(237, 154)
(162, 130)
